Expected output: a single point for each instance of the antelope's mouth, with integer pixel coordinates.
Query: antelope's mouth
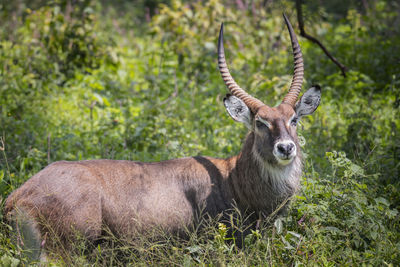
(284, 161)
(285, 152)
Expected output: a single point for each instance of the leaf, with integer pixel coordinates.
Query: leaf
(194, 249)
(278, 225)
(297, 235)
(187, 261)
(383, 201)
(333, 230)
(373, 234)
(99, 98)
(7, 260)
(287, 244)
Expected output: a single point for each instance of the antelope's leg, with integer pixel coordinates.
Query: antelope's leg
(26, 235)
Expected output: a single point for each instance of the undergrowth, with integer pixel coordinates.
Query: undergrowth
(87, 80)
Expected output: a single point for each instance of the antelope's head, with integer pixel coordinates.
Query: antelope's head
(274, 127)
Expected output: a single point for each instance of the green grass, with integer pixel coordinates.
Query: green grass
(104, 83)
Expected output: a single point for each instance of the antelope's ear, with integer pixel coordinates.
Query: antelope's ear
(238, 110)
(309, 101)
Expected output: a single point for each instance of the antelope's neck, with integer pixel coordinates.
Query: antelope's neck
(260, 186)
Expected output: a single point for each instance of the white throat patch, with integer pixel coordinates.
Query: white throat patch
(283, 178)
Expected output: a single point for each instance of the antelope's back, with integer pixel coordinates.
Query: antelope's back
(126, 196)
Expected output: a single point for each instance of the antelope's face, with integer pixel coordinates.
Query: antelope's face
(275, 134)
(274, 127)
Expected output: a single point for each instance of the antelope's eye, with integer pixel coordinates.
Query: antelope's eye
(262, 124)
(294, 121)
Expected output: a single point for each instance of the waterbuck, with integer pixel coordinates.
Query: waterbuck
(130, 198)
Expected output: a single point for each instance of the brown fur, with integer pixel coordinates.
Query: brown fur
(133, 197)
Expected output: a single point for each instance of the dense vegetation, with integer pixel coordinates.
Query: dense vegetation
(138, 80)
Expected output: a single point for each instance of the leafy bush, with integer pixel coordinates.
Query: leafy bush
(83, 80)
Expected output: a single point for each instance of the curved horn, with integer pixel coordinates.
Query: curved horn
(253, 103)
(297, 81)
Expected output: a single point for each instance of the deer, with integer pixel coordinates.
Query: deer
(131, 197)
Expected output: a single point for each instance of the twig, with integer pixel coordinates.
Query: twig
(175, 93)
(91, 114)
(303, 33)
(297, 250)
(48, 147)
(365, 5)
(3, 148)
(241, 5)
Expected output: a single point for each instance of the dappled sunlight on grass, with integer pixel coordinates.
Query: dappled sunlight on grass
(101, 82)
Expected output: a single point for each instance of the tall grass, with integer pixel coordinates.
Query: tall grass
(91, 84)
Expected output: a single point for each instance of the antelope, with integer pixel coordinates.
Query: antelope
(131, 197)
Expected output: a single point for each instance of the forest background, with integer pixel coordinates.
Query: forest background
(138, 80)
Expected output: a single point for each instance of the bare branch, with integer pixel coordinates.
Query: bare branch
(48, 147)
(303, 33)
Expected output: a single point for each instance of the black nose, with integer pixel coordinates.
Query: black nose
(286, 148)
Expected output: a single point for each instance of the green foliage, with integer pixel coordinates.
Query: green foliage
(86, 79)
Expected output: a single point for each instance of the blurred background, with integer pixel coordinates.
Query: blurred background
(138, 80)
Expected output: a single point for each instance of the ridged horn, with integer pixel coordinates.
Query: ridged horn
(297, 81)
(253, 103)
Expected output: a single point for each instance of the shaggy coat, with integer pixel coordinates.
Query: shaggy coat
(129, 197)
